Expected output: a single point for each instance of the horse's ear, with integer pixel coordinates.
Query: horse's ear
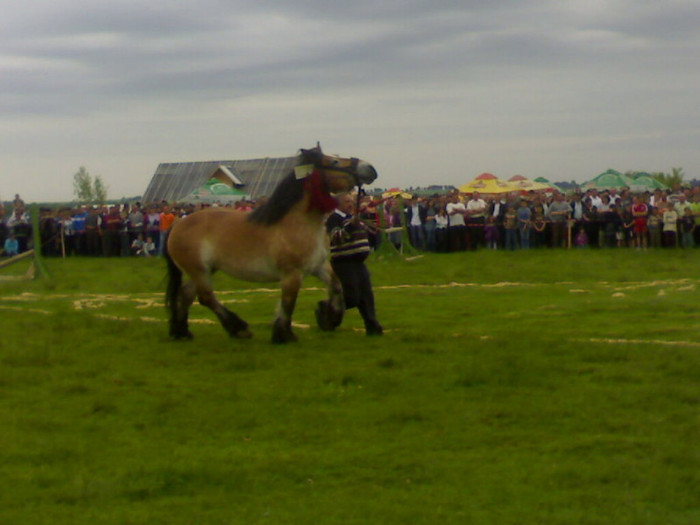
(318, 147)
(311, 155)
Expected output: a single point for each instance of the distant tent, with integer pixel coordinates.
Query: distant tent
(175, 181)
(488, 184)
(607, 180)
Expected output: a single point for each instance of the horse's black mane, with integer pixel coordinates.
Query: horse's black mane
(288, 192)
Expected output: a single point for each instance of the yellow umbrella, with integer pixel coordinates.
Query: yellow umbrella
(488, 184)
(395, 192)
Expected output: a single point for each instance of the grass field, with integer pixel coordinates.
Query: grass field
(553, 387)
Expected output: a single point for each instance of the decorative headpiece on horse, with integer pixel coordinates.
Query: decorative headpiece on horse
(301, 172)
(314, 184)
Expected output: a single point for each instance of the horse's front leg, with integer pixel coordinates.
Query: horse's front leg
(234, 325)
(329, 313)
(282, 327)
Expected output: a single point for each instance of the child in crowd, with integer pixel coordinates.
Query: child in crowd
(11, 247)
(137, 245)
(511, 227)
(539, 225)
(654, 224)
(149, 247)
(441, 223)
(640, 212)
(670, 219)
(687, 227)
(524, 224)
(491, 233)
(581, 240)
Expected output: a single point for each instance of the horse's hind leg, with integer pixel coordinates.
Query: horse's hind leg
(329, 313)
(234, 325)
(282, 327)
(179, 328)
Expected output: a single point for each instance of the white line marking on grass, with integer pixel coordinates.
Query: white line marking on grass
(110, 317)
(192, 320)
(20, 309)
(612, 341)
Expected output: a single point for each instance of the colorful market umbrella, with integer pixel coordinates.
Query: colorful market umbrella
(526, 184)
(488, 184)
(552, 185)
(396, 192)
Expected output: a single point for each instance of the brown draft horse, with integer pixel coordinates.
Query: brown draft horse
(282, 240)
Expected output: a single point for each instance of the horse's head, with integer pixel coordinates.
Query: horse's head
(340, 174)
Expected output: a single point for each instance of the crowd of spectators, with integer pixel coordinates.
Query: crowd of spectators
(120, 230)
(514, 221)
(440, 223)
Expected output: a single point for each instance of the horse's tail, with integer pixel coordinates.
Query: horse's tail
(174, 283)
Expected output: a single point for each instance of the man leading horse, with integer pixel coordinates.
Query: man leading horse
(349, 250)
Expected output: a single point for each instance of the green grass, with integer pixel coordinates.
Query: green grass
(548, 388)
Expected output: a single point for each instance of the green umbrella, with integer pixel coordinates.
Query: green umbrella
(645, 182)
(214, 190)
(607, 180)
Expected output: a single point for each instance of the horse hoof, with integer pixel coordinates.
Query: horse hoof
(283, 337)
(243, 334)
(374, 328)
(184, 336)
(327, 317)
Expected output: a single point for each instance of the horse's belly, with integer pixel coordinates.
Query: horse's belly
(266, 269)
(254, 270)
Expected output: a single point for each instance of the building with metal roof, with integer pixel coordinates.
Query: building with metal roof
(176, 181)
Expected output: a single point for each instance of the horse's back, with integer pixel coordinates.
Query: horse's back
(191, 234)
(206, 219)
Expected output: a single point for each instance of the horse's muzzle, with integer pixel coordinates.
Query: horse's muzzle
(366, 174)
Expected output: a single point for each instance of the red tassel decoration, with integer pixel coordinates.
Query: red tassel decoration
(320, 199)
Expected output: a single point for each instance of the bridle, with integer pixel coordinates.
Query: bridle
(303, 171)
(348, 170)
(352, 170)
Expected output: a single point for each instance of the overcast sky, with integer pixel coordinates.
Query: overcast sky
(429, 91)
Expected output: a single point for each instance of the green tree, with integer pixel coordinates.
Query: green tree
(82, 185)
(87, 189)
(673, 179)
(99, 190)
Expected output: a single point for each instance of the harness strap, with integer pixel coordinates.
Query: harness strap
(357, 202)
